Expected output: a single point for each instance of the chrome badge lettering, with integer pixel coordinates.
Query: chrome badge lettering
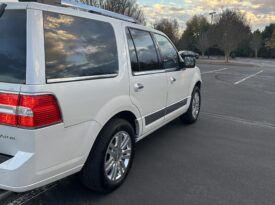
(6, 137)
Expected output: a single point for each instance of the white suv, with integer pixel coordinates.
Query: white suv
(78, 89)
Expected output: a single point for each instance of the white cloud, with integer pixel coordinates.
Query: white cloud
(259, 12)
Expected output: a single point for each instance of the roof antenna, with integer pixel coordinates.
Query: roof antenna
(2, 9)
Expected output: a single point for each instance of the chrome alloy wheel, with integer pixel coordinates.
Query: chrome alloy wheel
(196, 105)
(118, 155)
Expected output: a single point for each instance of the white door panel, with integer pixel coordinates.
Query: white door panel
(178, 92)
(177, 79)
(151, 99)
(177, 86)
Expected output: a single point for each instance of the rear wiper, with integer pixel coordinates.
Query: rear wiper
(2, 9)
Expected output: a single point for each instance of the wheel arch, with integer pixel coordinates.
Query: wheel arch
(198, 84)
(196, 81)
(130, 117)
(123, 114)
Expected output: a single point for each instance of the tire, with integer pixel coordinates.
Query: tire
(191, 116)
(110, 160)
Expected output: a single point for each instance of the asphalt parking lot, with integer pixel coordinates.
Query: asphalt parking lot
(227, 157)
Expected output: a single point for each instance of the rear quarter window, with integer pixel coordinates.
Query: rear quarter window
(78, 47)
(13, 47)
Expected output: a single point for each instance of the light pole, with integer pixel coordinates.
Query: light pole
(212, 16)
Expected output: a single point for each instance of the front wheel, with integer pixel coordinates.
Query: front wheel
(111, 158)
(192, 114)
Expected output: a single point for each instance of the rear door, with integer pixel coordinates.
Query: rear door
(178, 79)
(148, 84)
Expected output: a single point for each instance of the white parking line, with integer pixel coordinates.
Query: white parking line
(214, 71)
(4, 195)
(28, 196)
(248, 77)
(239, 120)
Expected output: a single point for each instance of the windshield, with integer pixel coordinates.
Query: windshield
(13, 46)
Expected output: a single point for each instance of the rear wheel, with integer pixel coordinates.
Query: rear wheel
(192, 114)
(111, 158)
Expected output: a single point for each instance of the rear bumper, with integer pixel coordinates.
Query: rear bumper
(17, 175)
(40, 157)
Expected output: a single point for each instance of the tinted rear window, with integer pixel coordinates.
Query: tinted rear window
(13, 47)
(78, 47)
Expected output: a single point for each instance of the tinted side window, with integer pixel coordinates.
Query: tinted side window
(146, 50)
(168, 52)
(132, 52)
(78, 47)
(13, 46)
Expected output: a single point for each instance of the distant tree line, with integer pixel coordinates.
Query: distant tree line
(229, 35)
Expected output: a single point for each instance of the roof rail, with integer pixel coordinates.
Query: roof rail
(91, 9)
(53, 2)
(96, 10)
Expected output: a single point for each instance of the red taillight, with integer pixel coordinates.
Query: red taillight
(45, 110)
(8, 119)
(29, 110)
(9, 99)
(8, 103)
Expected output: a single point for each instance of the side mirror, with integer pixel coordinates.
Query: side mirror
(187, 62)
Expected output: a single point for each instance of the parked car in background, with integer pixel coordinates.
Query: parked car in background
(189, 53)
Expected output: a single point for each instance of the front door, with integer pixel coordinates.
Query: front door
(177, 79)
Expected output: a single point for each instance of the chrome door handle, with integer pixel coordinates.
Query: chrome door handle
(173, 80)
(138, 87)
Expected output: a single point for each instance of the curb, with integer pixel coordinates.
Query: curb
(230, 63)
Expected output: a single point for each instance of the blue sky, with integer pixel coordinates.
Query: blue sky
(259, 12)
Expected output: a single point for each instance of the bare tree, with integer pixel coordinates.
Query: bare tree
(256, 42)
(125, 7)
(170, 28)
(230, 30)
(203, 42)
(194, 27)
